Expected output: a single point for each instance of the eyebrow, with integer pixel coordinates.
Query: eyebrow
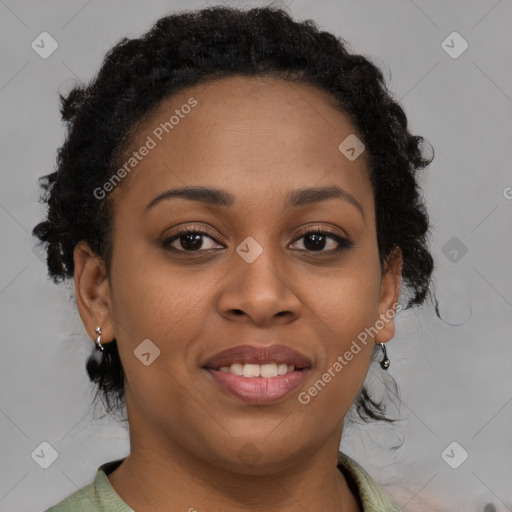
(222, 198)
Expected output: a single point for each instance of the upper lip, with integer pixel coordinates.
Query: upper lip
(258, 355)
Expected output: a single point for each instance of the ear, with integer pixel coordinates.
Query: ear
(390, 291)
(92, 290)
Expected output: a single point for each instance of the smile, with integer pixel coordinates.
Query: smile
(258, 389)
(265, 371)
(258, 374)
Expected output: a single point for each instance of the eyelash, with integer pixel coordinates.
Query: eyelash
(343, 242)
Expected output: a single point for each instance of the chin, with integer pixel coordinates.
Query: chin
(256, 457)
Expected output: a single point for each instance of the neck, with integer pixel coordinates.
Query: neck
(160, 475)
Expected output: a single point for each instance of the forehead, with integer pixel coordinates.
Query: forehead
(261, 134)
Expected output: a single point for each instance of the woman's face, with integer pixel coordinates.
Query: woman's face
(256, 278)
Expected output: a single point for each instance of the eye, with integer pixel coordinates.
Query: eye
(315, 240)
(189, 239)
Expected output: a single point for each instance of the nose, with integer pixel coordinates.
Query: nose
(262, 292)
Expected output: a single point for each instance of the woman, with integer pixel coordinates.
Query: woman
(236, 200)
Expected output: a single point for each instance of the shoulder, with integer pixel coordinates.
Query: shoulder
(97, 496)
(82, 500)
(375, 499)
(372, 496)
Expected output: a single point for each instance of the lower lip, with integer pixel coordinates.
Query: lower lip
(259, 390)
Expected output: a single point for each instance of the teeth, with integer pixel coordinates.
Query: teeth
(251, 370)
(268, 370)
(236, 368)
(256, 370)
(282, 369)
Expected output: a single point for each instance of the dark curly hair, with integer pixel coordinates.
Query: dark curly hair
(193, 47)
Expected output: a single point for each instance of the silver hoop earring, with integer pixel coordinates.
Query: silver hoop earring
(98, 339)
(385, 362)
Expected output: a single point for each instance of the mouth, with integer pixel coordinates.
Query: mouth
(258, 375)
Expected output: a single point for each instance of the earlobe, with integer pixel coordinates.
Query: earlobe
(92, 290)
(390, 292)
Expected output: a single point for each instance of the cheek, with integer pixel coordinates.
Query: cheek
(143, 288)
(158, 304)
(347, 301)
(154, 300)
(343, 312)
(344, 309)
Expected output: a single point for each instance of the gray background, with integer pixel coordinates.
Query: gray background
(453, 373)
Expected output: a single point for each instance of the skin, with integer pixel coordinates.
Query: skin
(257, 138)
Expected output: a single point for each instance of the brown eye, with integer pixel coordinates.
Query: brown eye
(190, 240)
(316, 240)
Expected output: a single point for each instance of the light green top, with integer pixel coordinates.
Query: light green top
(100, 496)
